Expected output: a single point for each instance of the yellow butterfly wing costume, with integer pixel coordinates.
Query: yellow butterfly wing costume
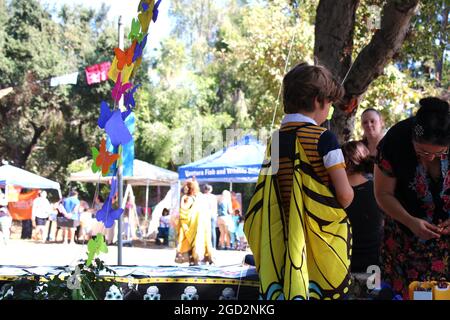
(306, 256)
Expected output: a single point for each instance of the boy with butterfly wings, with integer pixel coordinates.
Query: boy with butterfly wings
(296, 225)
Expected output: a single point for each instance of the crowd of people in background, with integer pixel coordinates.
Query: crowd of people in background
(207, 222)
(204, 222)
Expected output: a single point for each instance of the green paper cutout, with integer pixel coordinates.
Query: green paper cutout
(94, 166)
(119, 151)
(95, 247)
(135, 33)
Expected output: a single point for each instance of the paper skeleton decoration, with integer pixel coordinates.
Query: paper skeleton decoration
(228, 294)
(113, 293)
(190, 293)
(42, 289)
(8, 294)
(152, 293)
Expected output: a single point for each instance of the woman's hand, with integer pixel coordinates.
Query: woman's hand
(444, 227)
(423, 229)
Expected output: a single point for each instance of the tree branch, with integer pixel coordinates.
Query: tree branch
(27, 150)
(335, 24)
(386, 42)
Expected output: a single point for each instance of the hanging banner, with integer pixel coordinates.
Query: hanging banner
(71, 78)
(98, 72)
(6, 91)
(22, 209)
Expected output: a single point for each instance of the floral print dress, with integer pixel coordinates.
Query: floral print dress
(406, 258)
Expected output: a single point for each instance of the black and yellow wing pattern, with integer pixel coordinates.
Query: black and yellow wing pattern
(304, 256)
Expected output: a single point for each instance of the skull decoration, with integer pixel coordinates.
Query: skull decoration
(190, 293)
(42, 289)
(8, 294)
(228, 294)
(113, 293)
(152, 293)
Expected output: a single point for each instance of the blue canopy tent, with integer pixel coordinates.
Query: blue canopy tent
(239, 162)
(10, 175)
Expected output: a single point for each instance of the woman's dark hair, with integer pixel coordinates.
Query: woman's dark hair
(357, 157)
(432, 122)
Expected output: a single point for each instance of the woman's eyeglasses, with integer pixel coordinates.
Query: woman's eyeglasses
(429, 154)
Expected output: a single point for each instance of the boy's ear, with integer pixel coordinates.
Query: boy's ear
(318, 104)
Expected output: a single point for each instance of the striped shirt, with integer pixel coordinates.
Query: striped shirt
(321, 148)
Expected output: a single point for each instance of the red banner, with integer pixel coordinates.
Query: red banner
(98, 72)
(22, 209)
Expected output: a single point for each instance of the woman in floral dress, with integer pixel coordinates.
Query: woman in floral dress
(412, 186)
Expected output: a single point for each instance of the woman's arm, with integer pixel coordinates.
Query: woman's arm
(384, 187)
(344, 191)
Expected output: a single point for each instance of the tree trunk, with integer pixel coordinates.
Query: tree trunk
(334, 45)
(23, 156)
(333, 48)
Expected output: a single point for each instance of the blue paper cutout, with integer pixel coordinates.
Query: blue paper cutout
(144, 6)
(116, 130)
(156, 11)
(139, 48)
(129, 98)
(105, 114)
(107, 214)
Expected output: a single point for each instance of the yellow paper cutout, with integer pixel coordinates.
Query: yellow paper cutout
(137, 63)
(146, 17)
(114, 72)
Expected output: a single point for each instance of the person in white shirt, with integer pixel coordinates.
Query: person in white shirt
(40, 214)
(5, 219)
(211, 207)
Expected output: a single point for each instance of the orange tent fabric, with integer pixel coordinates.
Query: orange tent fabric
(22, 209)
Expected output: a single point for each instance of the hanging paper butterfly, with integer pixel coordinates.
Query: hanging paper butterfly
(126, 113)
(135, 33)
(129, 98)
(107, 214)
(139, 48)
(102, 159)
(117, 130)
(106, 113)
(119, 88)
(144, 5)
(124, 57)
(95, 247)
(145, 17)
(156, 11)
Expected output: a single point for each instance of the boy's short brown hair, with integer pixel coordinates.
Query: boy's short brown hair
(305, 82)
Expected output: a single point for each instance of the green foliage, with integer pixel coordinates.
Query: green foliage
(427, 43)
(89, 285)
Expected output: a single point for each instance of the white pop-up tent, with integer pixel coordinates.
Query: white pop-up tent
(10, 175)
(144, 174)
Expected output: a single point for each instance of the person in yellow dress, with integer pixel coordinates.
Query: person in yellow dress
(194, 228)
